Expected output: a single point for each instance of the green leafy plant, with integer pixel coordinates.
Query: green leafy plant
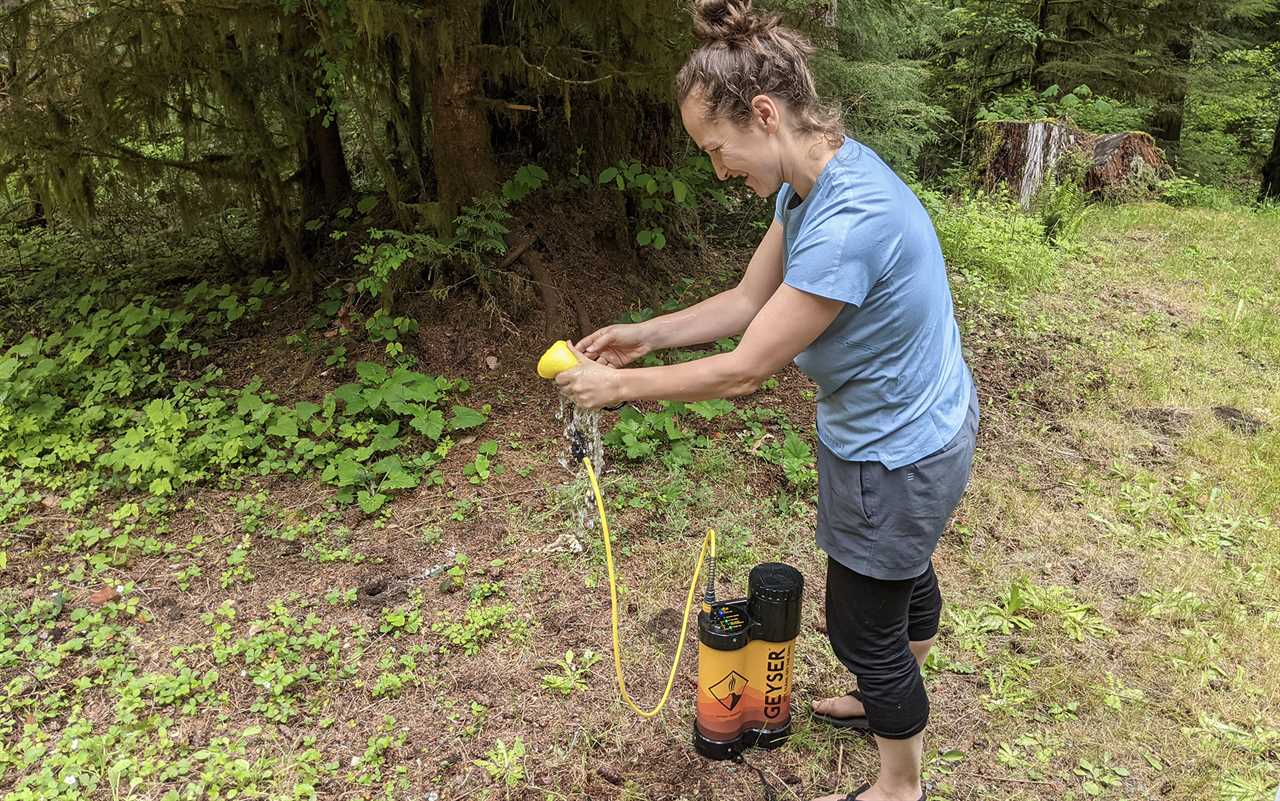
(480, 624)
(528, 179)
(1099, 777)
(1190, 193)
(659, 194)
(477, 471)
(505, 765)
(391, 258)
(1061, 203)
(237, 570)
(643, 435)
(456, 575)
(396, 672)
(573, 671)
(1080, 105)
(405, 619)
(1116, 695)
(998, 253)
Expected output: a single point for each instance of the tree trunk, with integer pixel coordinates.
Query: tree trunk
(1038, 55)
(404, 127)
(1166, 126)
(1022, 154)
(461, 148)
(1271, 170)
(322, 162)
(325, 179)
(36, 219)
(259, 147)
(21, 21)
(417, 113)
(396, 120)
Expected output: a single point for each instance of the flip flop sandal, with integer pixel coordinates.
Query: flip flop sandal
(854, 795)
(858, 722)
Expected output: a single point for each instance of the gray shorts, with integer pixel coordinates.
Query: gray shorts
(886, 523)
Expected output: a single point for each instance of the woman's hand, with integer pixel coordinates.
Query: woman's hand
(616, 345)
(591, 385)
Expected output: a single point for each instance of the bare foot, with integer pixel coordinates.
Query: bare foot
(844, 706)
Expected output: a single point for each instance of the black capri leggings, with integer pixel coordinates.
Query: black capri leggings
(870, 621)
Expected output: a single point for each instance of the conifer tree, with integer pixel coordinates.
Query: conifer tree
(1138, 50)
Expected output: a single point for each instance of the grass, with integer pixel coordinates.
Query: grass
(1113, 611)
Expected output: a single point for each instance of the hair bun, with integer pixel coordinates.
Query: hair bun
(728, 21)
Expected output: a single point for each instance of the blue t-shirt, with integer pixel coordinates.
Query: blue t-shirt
(892, 383)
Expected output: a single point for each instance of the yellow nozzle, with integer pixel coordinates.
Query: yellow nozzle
(556, 360)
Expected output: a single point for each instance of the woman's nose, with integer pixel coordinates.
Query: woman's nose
(721, 173)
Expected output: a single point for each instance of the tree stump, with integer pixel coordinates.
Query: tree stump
(1022, 155)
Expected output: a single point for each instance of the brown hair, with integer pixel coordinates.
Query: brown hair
(743, 55)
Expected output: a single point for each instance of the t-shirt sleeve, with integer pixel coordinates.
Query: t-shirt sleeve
(841, 253)
(779, 200)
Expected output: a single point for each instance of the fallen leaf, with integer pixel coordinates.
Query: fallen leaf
(104, 595)
(492, 362)
(609, 774)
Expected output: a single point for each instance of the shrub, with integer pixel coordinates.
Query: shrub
(1191, 193)
(991, 237)
(1081, 106)
(997, 254)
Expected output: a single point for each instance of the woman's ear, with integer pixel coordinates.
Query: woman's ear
(766, 112)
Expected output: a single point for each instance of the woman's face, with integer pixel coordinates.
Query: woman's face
(749, 152)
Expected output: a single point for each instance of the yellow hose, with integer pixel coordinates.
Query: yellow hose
(710, 540)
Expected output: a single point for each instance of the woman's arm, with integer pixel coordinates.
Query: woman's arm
(789, 321)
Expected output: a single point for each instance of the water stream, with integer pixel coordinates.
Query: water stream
(582, 434)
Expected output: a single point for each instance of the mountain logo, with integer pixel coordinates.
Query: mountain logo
(728, 691)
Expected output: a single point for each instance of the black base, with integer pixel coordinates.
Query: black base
(751, 738)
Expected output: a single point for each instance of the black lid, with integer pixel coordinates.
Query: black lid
(774, 601)
(775, 582)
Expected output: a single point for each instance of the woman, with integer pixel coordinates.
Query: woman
(848, 282)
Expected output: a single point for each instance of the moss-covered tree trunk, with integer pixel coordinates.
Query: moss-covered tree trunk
(1271, 170)
(36, 218)
(277, 218)
(14, 83)
(405, 123)
(322, 163)
(462, 151)
(1038, 55)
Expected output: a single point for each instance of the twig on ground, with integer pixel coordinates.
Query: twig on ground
(1009, 779)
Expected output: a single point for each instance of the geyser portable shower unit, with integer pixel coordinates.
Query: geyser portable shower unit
(745, 651)
(745, 646)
